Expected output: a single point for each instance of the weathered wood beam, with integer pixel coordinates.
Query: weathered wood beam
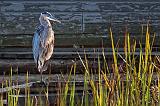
(26, 22)
(54, 80)
(51, 81)
(55, 66)
(77, 22)
(67, 53)
(88, 40)
(79, 17)
(78, 5)
(60, 64)
(92, 0)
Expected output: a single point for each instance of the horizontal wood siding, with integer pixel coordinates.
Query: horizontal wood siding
(79, 18)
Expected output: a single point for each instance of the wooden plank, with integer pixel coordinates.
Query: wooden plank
(55, 66)
(60, 62)
(57, 78)
(95, 22)
(26, 22)
(72, 49)
(43, 0)
(76, 6)
(24, 50)
(99, 22)
(92, 0)
(26, 40)
(64, 54)
(14, 19)
(53, 6)
(91, 53)
(87, 40)
(118, 6)
(23, 65)
(33, 78)
(120, 28)
(67, 53)
(137, 17)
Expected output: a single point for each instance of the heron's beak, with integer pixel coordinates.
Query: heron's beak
(54, 19)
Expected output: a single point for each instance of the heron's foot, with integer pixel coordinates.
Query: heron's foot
(41, 83)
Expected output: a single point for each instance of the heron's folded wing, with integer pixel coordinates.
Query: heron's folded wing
(35, 44)
(48, 51)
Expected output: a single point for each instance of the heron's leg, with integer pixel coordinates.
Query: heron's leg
(41, 77)
(43, 83)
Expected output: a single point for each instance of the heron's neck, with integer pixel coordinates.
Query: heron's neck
(46, 24)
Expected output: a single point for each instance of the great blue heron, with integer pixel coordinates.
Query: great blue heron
(43, 42)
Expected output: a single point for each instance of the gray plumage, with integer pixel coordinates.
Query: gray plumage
(43, 42)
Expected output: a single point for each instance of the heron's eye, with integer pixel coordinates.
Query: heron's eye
(44, 12)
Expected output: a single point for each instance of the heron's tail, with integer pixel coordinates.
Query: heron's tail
(42, 65)
(45, 65)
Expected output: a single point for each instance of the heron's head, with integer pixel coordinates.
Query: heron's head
(49, 16)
